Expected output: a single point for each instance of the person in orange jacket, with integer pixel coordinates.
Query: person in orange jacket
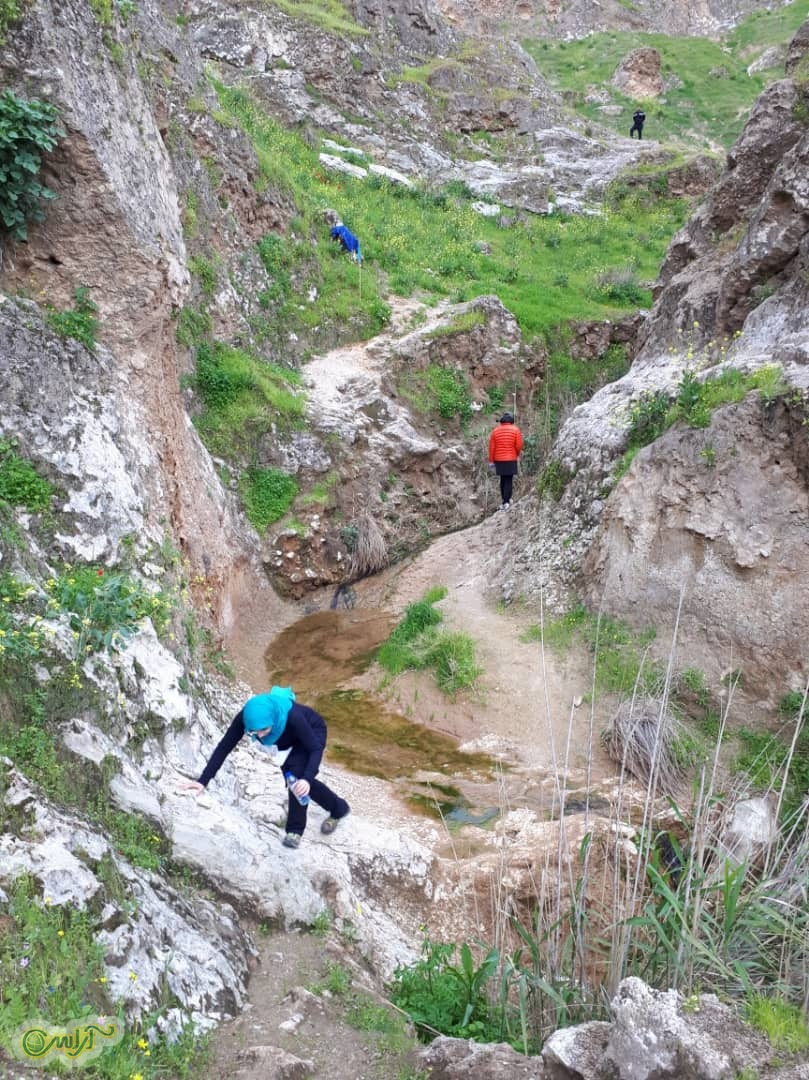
(505, 445)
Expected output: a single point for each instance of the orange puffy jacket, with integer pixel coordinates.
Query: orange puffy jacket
(505, 443)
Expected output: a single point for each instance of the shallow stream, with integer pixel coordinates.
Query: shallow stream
(322, 653)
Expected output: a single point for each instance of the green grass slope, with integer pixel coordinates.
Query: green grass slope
(710, 94)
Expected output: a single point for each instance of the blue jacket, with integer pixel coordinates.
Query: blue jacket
(349, 241)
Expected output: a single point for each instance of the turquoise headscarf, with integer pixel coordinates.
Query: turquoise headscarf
(269, 710)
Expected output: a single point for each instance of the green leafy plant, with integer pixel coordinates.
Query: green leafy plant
(647, 418)
(103, 10)
(205, 271)
(620, 286)
(27, 129)
(20, 483)
(337, 981)
(105, 607)
(447, 998)
(192, 327)
(266, 494)
(10, 12)
(80, 322)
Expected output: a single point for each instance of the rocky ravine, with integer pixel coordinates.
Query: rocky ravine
(723, 518)
(110, 431)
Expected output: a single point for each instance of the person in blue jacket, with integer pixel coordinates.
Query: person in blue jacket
(347, 240)
(275, 719)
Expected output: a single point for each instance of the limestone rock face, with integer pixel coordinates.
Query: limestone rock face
(638, 75)
(763, 181)
(728, 528)
(418, 24)
(119, 417)
(69, 418)
(655, 1034)
(193, 947)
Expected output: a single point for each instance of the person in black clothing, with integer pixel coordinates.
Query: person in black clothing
(275, 720)
(638, 118)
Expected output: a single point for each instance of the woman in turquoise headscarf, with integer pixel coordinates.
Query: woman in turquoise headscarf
(276, 720)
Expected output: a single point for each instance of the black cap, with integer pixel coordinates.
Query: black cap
(506, 418)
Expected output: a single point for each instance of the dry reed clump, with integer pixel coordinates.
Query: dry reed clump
(645, 739)
(370, 551)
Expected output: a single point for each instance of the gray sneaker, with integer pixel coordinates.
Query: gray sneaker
(331, 823)
(292, 839)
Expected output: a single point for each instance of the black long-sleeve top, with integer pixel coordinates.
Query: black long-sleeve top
(304, 729)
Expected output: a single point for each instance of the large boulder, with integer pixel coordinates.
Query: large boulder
(659, 1035)
(638, 75)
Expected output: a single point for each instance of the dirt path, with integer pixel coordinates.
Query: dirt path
(314, 1012)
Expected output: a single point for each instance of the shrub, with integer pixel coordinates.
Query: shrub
(105, 607)
(647, 418)
(10, 11)
(205, 271)
(553, 479)
(440, 996)
(192, 327)
(80, 322)
(20, 483)
(621, 287)
(450, 390)
(266, 494)
(645, 738)
(369, 552)
(102, 9)
(222, 375)
(27, 128)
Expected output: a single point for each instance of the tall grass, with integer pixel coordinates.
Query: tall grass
(656, 890)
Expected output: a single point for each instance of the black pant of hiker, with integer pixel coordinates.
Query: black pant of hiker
(506, 470)
(636, 127)
(324, 796)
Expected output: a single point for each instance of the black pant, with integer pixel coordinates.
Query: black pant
(638, 128)
(318, 792)
(506, 483)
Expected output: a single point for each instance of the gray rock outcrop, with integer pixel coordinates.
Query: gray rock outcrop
(652, 1035)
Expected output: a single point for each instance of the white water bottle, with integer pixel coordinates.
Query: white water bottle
(291, 780)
